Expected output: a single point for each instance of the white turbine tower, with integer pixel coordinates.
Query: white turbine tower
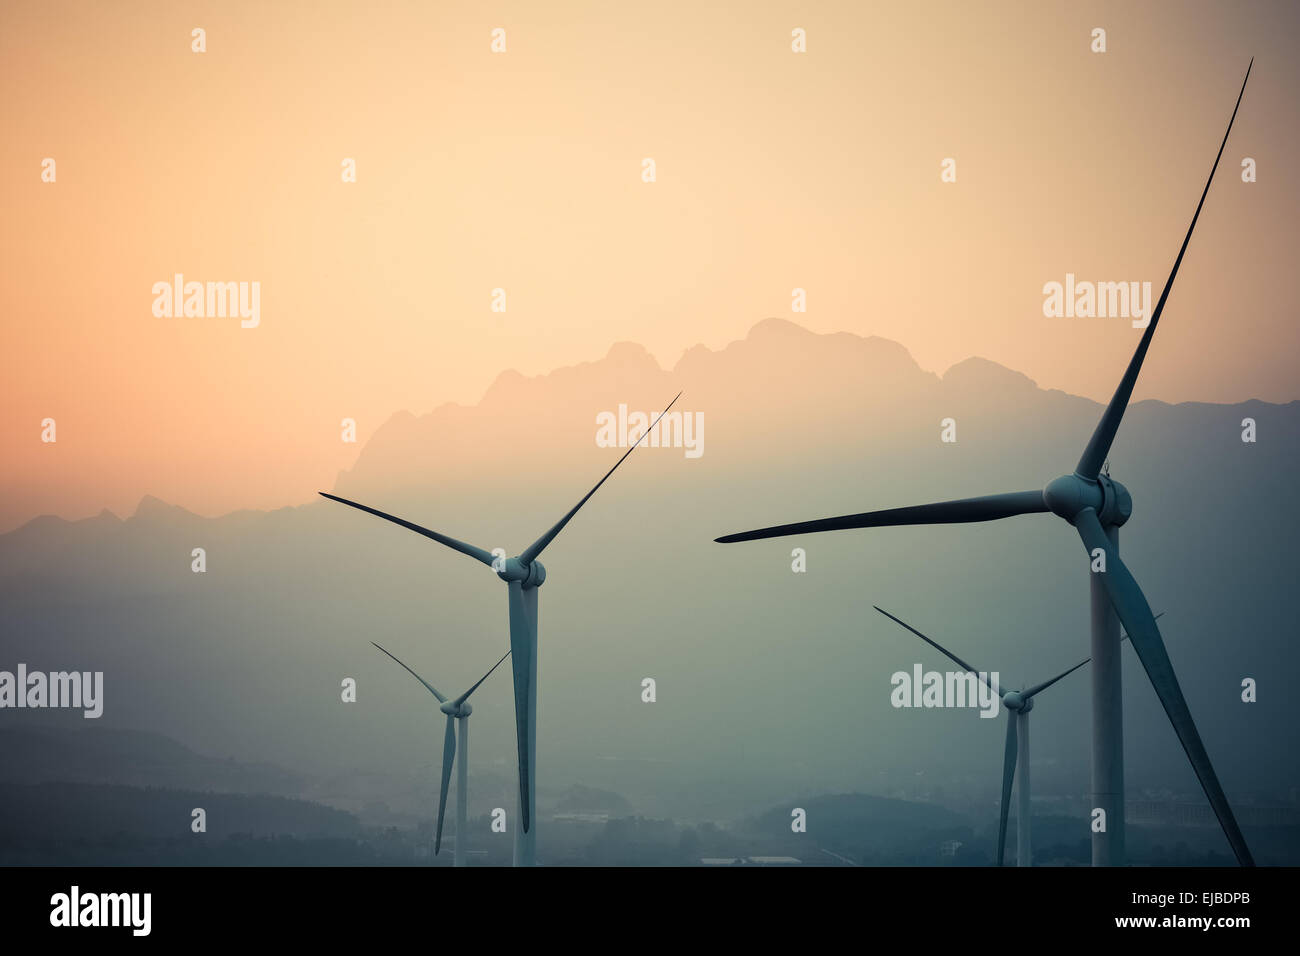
(456, 710)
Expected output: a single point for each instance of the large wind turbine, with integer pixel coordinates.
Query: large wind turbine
(456, 710)
(1016, 756)
(523, 575)
(1096, 506)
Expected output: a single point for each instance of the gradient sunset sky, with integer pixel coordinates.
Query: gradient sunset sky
(522, 170)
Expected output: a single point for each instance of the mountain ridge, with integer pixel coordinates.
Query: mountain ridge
(511, 387)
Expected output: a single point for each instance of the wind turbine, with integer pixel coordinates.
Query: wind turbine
(1096, 506)
(456, 710)
(523, 575)
(1018, 704)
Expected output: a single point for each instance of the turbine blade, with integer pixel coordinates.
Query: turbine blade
(1133, 610)
(985, 508)
(521, 660)
(944, 651)
(448, 756)
(1099, 444)
(1008, 774)
(433, 690)
(538, 546)
(465, 696)
(1124, 637)
(1034, 690)
(1048, 683)
(461, 546)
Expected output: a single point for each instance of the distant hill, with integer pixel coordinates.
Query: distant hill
(580, 799)
(864, 828)
(92, 755)
(859, 812)
(76, 811)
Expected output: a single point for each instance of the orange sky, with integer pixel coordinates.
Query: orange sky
(523, 171)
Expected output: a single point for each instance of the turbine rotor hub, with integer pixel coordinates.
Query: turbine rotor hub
(1068, 495)
(453, 709)
(530, 575)
(1013, 702)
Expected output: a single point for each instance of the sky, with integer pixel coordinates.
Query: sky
(522, 170)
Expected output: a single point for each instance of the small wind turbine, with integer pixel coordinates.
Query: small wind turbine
(1018, 704)
(456, 710)
(523, 575)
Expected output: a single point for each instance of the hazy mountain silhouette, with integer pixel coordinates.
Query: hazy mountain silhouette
(768, 682)
(866, 829)
(131, 757)
(580, 799)
(86, 811)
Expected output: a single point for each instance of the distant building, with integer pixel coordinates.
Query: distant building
(774, 861)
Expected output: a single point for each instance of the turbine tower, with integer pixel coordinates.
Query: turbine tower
(1016, 756)
(523, 575)
(456, 710)
(1096, 506)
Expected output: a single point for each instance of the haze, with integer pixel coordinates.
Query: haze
(522, 171)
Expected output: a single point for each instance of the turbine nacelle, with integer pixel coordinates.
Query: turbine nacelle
(453, 709)
(1117, 503)
(1017, 704)
(531, 575)
(1068, 495)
